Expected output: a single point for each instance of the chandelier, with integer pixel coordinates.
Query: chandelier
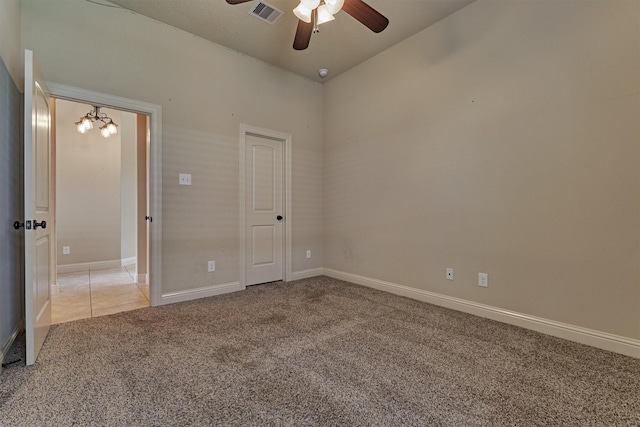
(320, 11)
(85, 123)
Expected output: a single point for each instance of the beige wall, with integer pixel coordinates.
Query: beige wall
(205, 91)
(10, 50)
(505, 140)
(87, 188)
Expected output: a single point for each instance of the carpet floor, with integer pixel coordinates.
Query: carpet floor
(314, 352)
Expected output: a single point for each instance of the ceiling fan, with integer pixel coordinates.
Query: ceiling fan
(312, 13)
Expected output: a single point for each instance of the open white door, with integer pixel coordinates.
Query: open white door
(37, 238)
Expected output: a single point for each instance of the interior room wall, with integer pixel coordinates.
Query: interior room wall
(206, 91)
(88, 190)
(11, 175)
(504, 140)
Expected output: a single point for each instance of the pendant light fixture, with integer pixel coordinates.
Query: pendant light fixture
(85, 123)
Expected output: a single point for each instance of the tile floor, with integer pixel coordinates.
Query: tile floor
(96, 293)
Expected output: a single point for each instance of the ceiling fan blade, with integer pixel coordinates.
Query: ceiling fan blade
(237, 1)
(364, 13)
(303, 35)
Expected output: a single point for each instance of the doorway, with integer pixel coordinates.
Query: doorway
(265, 205)
(153, 218)
(101, 197)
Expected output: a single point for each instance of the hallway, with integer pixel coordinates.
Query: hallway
(94, 293)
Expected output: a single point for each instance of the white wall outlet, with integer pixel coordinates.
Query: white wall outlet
(66, 250)
(308, 253)
(185, 179)
(211, 266)
(449, 274)
(483, 280)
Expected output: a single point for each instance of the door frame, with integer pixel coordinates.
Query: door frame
(154, 112)
(245, 130)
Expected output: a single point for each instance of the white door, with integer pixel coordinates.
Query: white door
(264, 216)
(37, 243)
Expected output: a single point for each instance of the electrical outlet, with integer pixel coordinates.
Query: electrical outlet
(449, 274)
(66, 250)
(308, 253)
(211, 266)
(483, 280)
(185, 179)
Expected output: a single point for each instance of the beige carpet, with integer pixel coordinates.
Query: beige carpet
(314, 352)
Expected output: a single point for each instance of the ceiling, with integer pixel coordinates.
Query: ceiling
(340, 45)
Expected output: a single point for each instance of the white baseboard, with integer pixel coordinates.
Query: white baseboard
(603, 340)
(84, 266)
(128, 261)
(305, 274)
(209, 291)
(141, 278)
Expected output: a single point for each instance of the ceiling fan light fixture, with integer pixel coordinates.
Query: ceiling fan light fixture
(324, 15)
(334, 6)
(311, 13)
(310, 4)
(303, 13)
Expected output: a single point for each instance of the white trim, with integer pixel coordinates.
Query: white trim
(128, 261)
(154, 111)
(305, 274)
(85, 266)
(288, 208)
(141, 278)
(288, 222)
(208, 291)
(603, 340)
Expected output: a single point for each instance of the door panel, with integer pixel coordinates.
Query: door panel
(263, 163)
(264, 203)
(42, 275)
(264, 245)
(37, 236)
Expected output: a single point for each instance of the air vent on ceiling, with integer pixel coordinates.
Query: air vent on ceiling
(266, 12)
